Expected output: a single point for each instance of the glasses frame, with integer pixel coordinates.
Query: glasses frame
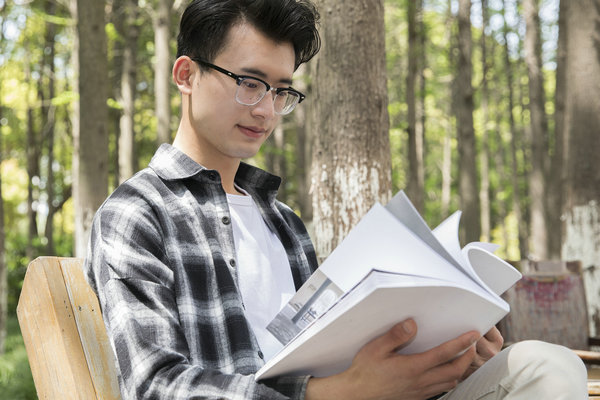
(240, 78)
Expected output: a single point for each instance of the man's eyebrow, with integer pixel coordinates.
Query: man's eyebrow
(260, 74)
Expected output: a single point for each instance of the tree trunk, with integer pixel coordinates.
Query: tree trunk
(129, 33)
(539, 130)
(469, 194)
(516, 203)
(275, 158)
(49, 111)
(557, 179)
(484, 191)
(91, 140)
(416, 170)
(447, 149)
(352, 161)
(162, 70)
(582, 119)
(33, 170)
(303, 148)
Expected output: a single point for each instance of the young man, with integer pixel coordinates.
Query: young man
(193, 256)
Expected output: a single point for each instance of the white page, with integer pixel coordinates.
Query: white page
(447, 234)
(441, 310)
(478, 258)
(402, 208)
(495, 272)
(391, 247)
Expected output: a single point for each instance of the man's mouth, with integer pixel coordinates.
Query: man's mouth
(252, 131)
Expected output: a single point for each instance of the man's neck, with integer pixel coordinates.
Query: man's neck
(227, 168)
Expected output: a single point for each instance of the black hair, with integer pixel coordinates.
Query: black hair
(205, 24)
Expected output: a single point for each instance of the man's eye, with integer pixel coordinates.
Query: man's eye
(250, 84)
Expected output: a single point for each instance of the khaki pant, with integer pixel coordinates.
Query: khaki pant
(528, 370)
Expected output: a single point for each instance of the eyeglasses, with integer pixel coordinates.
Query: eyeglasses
(252, 90)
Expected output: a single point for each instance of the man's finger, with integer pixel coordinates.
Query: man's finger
(399, 335)
(451, 349)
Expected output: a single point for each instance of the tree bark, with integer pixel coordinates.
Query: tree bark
(539, 130)
(303, 148)
(484, 191)
(129, 33)
(416, 169)
(162, 71)
(469, 194)
(516, 184)
(49, 112)
(33, 170)
(446, 167)
(275, 157)
(352, 166)
(91, 140)
(582, 119)
(557, 179)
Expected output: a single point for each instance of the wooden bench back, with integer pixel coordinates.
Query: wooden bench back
(61, 323)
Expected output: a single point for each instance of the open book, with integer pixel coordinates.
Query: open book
(390, 267)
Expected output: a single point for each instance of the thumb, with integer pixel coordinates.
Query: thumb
(399, 335)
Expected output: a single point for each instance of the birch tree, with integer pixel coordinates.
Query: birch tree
(90, 154)
(469, 194)
(582, 122)
(557, 178)
(162, 73)
(351, 168)
(539, 130)
(414, 78)
(129, 32)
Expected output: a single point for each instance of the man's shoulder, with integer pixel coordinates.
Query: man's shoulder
(137, 195)
(139, 186)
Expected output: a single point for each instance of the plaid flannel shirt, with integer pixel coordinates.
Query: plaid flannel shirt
(162, 261)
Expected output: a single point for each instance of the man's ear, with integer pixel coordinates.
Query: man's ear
(183, 73)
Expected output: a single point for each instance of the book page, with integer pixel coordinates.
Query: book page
(313, 299)
(402, 208)
(380, 241)
(478, 258)
(494, 271)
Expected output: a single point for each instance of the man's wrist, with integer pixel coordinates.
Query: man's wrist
(331, 387)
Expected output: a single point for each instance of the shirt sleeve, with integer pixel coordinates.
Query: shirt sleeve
(127, 268)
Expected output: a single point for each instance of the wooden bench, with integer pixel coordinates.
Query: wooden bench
(67, 346)
(61, 323)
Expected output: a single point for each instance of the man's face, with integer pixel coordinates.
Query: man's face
(223, 128)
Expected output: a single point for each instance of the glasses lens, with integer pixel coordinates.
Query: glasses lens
(250, 91)
(286, 101)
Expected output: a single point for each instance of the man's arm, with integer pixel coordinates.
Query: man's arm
(138, 293)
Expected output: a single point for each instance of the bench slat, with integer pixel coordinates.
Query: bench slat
(65, 339)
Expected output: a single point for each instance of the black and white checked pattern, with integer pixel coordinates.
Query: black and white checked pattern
(162, 260)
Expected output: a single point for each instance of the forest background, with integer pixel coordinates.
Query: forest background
(489, 106)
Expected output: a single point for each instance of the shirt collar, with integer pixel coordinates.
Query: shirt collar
(170, 163)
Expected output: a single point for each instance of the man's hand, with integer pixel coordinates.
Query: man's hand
(379, 372)
(487, 347)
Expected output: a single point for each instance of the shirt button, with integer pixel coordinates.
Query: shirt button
(232, 262)
(226, 220)
(212, 176)
(261, 355)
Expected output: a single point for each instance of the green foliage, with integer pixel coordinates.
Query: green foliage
(16, 382)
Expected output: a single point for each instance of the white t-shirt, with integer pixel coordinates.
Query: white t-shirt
(264, 274)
